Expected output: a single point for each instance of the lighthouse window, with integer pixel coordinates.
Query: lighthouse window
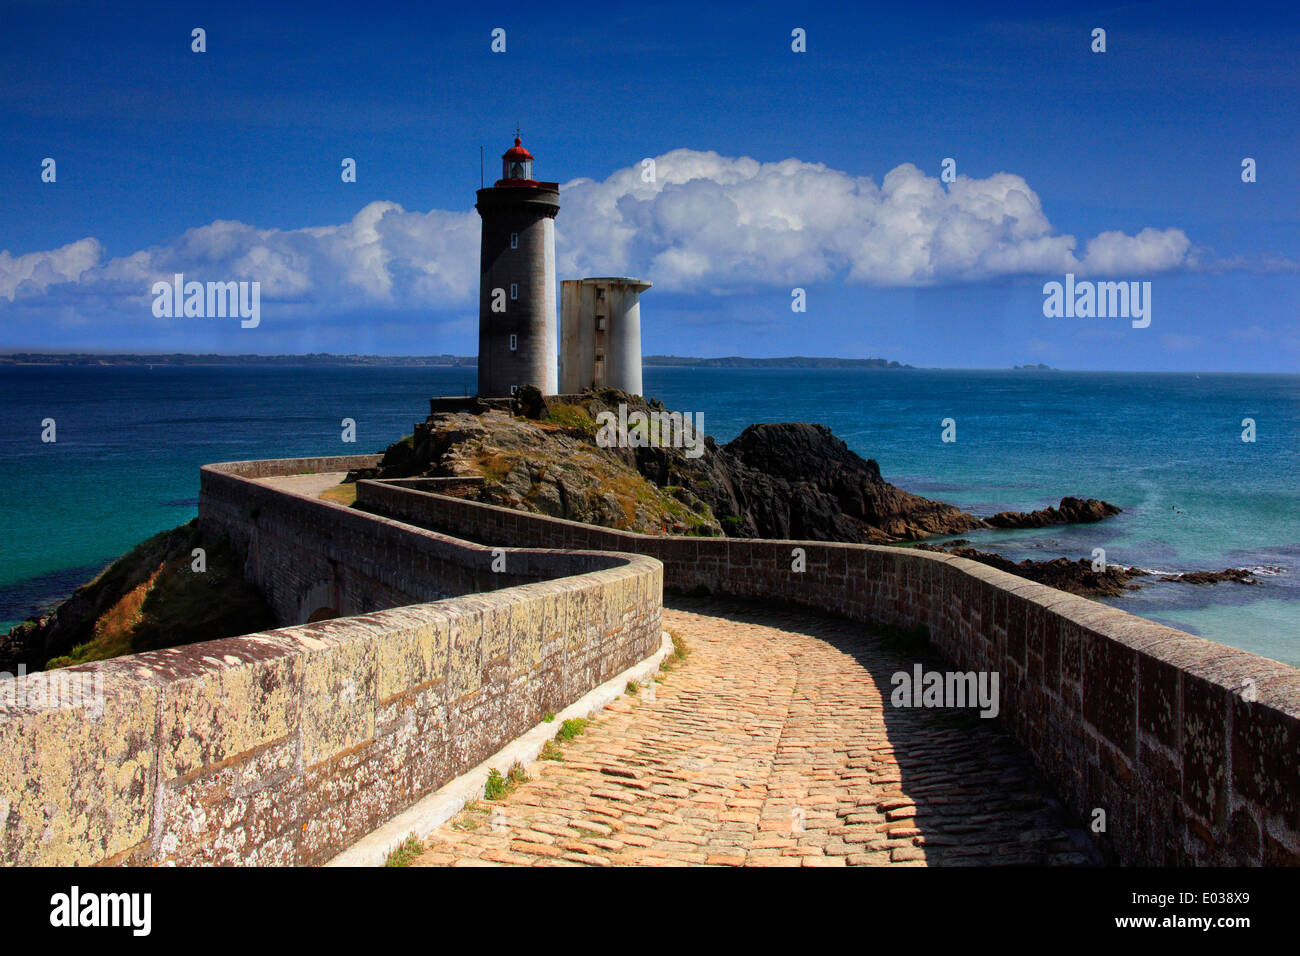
(514, 240)
(513, 389)
(514, 291)
(514, 342)
(600, 355)
(600, 323)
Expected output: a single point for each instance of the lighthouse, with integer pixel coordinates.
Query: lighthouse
(517, 319)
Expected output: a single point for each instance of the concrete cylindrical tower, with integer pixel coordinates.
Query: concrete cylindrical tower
(516, 324)
(601, 333)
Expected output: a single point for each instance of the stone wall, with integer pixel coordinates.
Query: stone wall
(307, 555)
(284, 747)
(1153, 726)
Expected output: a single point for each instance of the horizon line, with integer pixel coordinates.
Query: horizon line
(472, 361)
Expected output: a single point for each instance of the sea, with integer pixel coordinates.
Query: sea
(1167, 448)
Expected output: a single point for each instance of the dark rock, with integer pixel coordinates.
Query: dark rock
(530, 403)
(791, 480)
(799, 480)
(1240, 575)
(1078, 577)
(1070, 511)
(360, 474)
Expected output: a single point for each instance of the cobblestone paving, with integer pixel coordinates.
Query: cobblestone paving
(772, 744)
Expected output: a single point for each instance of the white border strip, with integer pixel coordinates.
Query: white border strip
(437, 808)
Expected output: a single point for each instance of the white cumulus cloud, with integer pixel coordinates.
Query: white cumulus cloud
(35, 272)
(707, 223)
(710, 221)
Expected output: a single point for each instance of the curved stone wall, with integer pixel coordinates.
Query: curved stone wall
(1189, 748)
(286, 746)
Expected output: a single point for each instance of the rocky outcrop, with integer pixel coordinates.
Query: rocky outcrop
(1240, 575)
(531, 403)
(790, 480)
(1070, 511)
(1079, 577)
(550, 465)
(797, 480)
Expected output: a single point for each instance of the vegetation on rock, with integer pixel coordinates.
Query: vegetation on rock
(149, 598)
(791, 480)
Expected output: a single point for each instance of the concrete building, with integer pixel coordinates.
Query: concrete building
(516, 325)
(601, 333)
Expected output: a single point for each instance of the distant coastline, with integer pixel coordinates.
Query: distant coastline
(408, 361)
(212, 358)
(789, 361)
(432, 361)
(332, 360)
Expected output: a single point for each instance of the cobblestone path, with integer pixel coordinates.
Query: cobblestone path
(772, 744)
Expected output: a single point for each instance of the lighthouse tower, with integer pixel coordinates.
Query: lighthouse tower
(516, 316)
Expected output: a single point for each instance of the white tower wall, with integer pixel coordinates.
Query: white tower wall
(600, 328)
(551, 375)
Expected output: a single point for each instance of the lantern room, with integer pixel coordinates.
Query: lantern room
(516, 164)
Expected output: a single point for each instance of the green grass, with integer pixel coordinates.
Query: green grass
(696, 522)
(499, 787)
(494, 466)
(468, 819)
(679, 653)
(342, 494)
(152, 598)
(406, 853)
(572, 417)
(550, 751)
(549, 718)
(571, 729)
(633, 687)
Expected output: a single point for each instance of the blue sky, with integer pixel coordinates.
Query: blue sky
(774, 169)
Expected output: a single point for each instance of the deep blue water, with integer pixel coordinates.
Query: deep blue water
(1166, 448)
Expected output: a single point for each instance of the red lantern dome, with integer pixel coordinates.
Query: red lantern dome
(516, 164)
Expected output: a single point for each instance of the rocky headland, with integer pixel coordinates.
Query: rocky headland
(790, 480)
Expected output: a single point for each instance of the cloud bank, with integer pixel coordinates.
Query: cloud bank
(706, 224)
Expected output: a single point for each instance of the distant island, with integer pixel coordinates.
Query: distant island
(410, 361)
(1033, 368)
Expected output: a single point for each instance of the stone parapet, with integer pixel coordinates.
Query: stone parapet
(1188, 747)
(284, 747)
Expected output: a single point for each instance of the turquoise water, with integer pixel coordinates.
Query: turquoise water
(1166, 448)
